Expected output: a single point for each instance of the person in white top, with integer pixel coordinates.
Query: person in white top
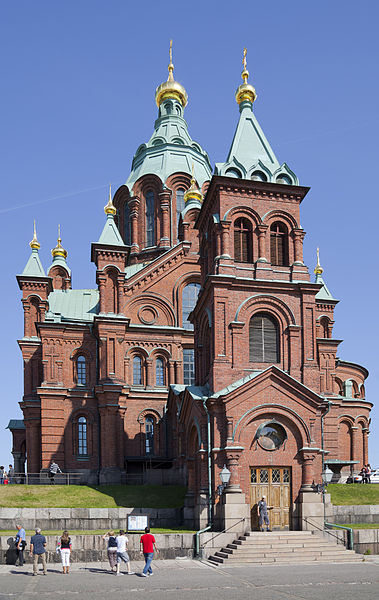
(122, 555)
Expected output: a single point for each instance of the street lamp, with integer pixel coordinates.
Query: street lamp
(225, 477)
(327, 475)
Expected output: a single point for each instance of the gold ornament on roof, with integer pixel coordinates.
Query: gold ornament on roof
(318, 268)
(34, 244)
(193, 191)
(245, 91)
(171, 88)
(110, 208)
(59, 251)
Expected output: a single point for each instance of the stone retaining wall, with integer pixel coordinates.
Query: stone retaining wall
(90, 548)
(364, 539)
(344, 515)
(86, 518)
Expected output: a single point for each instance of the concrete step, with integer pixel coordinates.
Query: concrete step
(281, 543)
(281, 551)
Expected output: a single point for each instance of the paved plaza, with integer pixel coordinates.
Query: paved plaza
(188, 579)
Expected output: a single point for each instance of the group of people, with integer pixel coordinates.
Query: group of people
(366, 474)
(116, 546)
(6, 476)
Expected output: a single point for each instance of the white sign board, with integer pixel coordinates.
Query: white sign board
(137, 522)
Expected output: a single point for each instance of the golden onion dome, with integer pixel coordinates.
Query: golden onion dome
(171, 88)
(59, 251)
(245, 91)
(34, 244)
(110, 208)
(318, 270)
(193, 192)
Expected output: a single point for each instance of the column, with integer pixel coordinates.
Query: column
(101, 284)
(298, 236)
(149, 373)
(165, 212)
(225, 227)
(134, 205)
(307, 470)
(171, 370)
(185, 231)
(232, 457)
(262, 229)
(354, 444)
(365, 433)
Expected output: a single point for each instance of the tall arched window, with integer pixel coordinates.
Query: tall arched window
(137, 371)
(279, 244)
(149, 435)
(179, 207)
(243, 241)
(150, 221)
(127, 236)
(188, 366)
(263, 339)
(159, 372)
(189, 299)
(82, 436)
(81, 370)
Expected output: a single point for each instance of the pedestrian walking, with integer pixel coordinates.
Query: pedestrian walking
(53, 470)
(20, 544)
(37, 550)
(64, 546)
(122, 555)
(263, 514)
(2, 474)
(11, 474)
(110, 538)
(147, 547)
(368, 473)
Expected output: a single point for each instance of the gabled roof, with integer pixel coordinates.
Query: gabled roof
(34, 266)
(16, 424)
(110, 235)
(324, 295)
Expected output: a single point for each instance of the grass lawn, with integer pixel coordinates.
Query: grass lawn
(58, 532)
(354, 493)
(362, 525)
(83, 496)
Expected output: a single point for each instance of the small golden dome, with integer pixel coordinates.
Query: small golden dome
(110, 208)
(245, 91)
(171, 88)
(59, 251)
(34, 244)
(193, 192)
(318, 270)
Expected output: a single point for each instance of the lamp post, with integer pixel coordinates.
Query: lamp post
(225, 477)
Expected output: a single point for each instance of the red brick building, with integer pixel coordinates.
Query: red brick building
(204, 342)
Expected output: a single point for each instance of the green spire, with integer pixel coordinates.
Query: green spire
(110, 235)
(250, 155)
(34, 266)
(323, 295)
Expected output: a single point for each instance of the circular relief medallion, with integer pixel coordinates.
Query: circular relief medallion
(271, 436)
(147, 315)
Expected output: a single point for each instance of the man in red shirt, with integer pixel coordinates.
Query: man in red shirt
(147, 546)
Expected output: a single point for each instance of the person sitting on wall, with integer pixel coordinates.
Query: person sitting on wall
(263, 514)
(53, 470)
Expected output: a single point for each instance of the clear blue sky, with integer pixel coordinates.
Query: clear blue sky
(77, 98)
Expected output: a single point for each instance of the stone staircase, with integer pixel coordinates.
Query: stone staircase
(282, 547)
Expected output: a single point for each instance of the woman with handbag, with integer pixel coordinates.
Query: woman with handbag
(112, 549)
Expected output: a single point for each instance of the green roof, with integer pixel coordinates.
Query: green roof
(170, 149)
(72, 305)
(251, 153)
(34, 266)
(110, 235)
(324, 295)
(16, 424)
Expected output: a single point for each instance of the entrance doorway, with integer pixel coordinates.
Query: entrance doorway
(275, 484)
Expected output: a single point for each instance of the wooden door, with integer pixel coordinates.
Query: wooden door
(275, 484)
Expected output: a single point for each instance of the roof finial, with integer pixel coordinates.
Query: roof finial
(34, 244)
(193, 191)
(110, 209)
(245, 91)
(59, 251)
(318, 269)
(170, 66)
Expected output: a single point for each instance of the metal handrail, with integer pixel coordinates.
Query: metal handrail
(36, 478)
(350, 535)
(221, 532)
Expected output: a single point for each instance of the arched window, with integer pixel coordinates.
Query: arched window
(324, 322)
(189, 299)
(243, 241)
(137, 371)
(82, 436)
(149, 435)
(263, 339)
(188, 366)
(279, 244)
(127, 236)
(179, 207)
(81, 370)
(150, 221)
(159, 372)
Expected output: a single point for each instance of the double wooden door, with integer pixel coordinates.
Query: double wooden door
(275, 484)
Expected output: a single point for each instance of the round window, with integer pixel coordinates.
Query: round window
(270, 436)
